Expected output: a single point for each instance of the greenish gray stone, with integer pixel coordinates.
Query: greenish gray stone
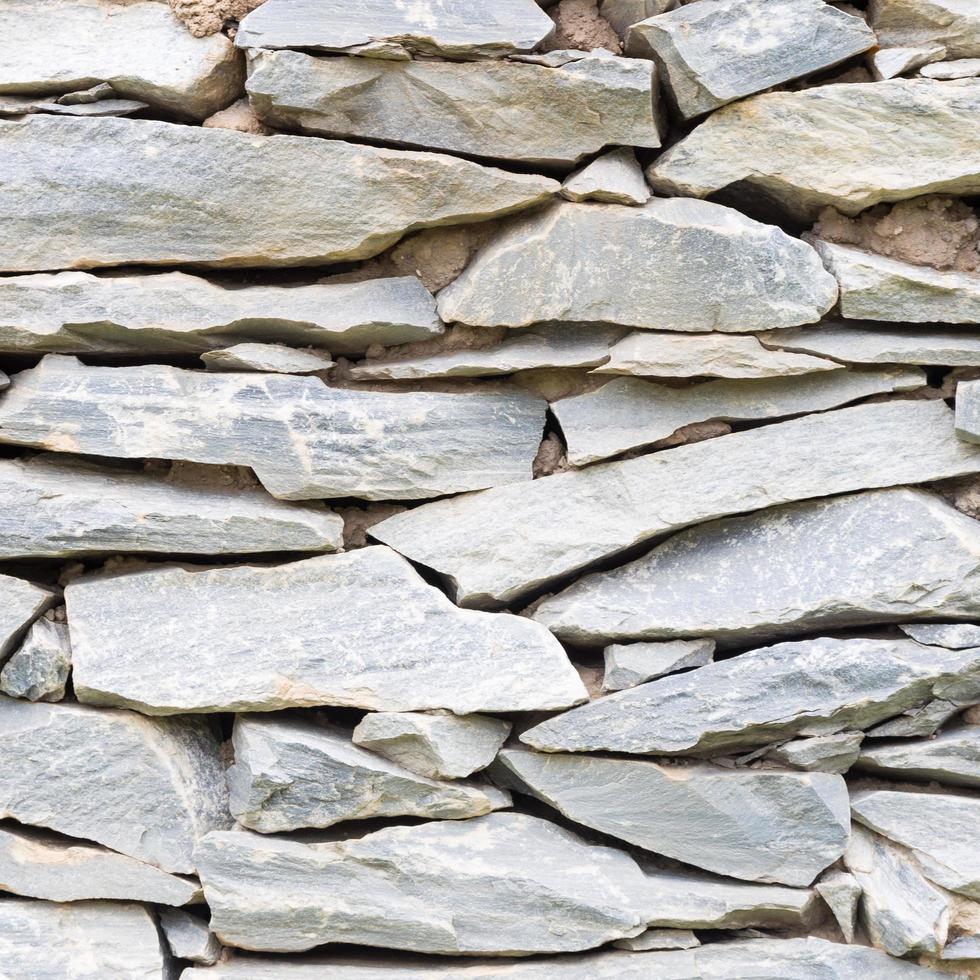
(189, 937)
(821, 753)
(626, 665)
(920, 721)
(21, 602)
(613, 178)
(840, 890)
(267, 357)
(952, 758)
(39, 668)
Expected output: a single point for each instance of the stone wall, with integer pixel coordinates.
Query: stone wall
(489, 489)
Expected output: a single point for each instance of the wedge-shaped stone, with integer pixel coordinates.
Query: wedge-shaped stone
(58, 508)
(41, 865)
(628, 413)
(968, 411)
(723, 50)
(955, 636)
(140, 48)
(876, 557)
(660, 939)
(147, 787)
(946, 70)
(754, 824)
(891, 62)
(290, 773)
(134, 194)
(671, 265)
(613, 178)
(952, 757)
(175, 313)
(448, 28)
(919, 722)
(302, 438)
(875, 287)
(821, 753)
(841, 892)
(39, 669)
(531, 114)
(501, 544)
(81, 941)
(832, 145)
(953, 23)
(20, 604)
(18, 105)
(626, 665)
(360, 629)
(189, 937)
(267, 357)
(443, 887)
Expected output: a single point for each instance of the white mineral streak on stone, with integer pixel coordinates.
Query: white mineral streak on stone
(923, 721)
(81, 941)
(672, 264)
(267, 357)
(628, 413)
(139, 48)
(881, 556)
(505, 884)
(437, 745)
(453, 28)
(290, 773)
(953, 23)
(660, 939)
(955, 636)
(722, 50)
(627, 665)
(147, 787)
(891, 62)
(41, 865)
(841, 892)
(176, 313)
(285, 200)
(20, 604)
(53, 507)
(189, 937)
(38, 670)
(968, 411)
(947, 70)
(832, 144)
(613, 178)
(500, 544)
(952, 757)
(530, 114)
(302, 438)
(360, 629)
(822, 753)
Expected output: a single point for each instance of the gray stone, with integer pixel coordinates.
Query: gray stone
(140, 49)
(963, 948)
(753, 824)
(832, 145)
(627, 665)
(952, 757)
(504, 884)
(822, 753)
(175, 313)
(288, 200)
(673, 264)
(438, 745)
(146, 787)
(58, 507)
(947, 70)
(498, 545)
(267, 357)
(537, 116)
(613, 178)
(876, 557)
(968, 411)
(38, 670)
(916, 722)
(622, 14)
(189, 937)
(291, 773)
(41, 865)
(722, 50)
(891, 62)
(955, 636)
(953, 23)
(20, 105)
(20, 604)
(449, 28)
(302, 438)
(628, 413)
(841, 892)
(660, 939)
(362, 630)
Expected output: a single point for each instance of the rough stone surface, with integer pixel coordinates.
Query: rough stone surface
(822, 753)
(672, 265)
(239, 116)
(38, 670)
(955, 636)
(363, 630)
(205, 17)
(841, 892)
(189, 937)
(918, 722)
(963, 948)
(635, 663)
(613, 178)
(952, 758)
(947, 70)
(891, 62)
(21, 603)
(622, 14)
(267, 357)
(660, 939)
(293, 200)
(968, 411)
(580, 25)
(953, 23)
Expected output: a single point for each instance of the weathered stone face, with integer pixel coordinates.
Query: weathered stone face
(820, 753)
(841, 892)
(267, 357)
(613, 178)
(968, 411)
(626, 665)
(952, 23)
(21, 602)
(38, 670)
(189, 937)
(952, 758)
(955, 636)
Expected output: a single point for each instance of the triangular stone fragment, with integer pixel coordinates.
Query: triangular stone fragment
(841, 892)
(629, 664)
(21, 603)
(613, 178)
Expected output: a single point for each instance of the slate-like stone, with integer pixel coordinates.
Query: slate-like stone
(302, 438)
(672, 264)
(753, 824)
(41, 865)
(145, 192)
(55, 507)
(947, 70)
(437, 745)
(140, 48)
(505, 883)
(660, 939)
(968, 411)
(821, 753)
(20, 105)
(267, 357)
(628, 412)
(963, 948)
(919, 722)
(953, 23)
(613, 178)
(21, 603)
(290, 773)
(176, 313)
(536, 116)
(891, 62)
(146, 787)
(723, 50)
(626, 665)
(955, 636)
(952, 757)
(360, 629)
(189, 937)
(38, 670)
(876, 557)
(451, 28)
(841, 892)
(832, 145)
(622, 14)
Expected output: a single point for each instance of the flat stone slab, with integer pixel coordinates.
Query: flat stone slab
(176, 313)
(38, 670)
(955, 636)
(538, 116)
(293, 200)
(919, 722)
(877, 557)
(302, 438)
(364, 630)
(626, 665)
(504, 543)
(628, 413)
(18, 105)
(267, 357)
(892, 62)
(952, 758)
(660, 939)
(947, 70)
(158, 784)
(672, 264)
(141, 49)
(968, 411)
(951, 23)
(819, 753)
(832, 145)
(732, 48)
(21, 603)
(613, 178)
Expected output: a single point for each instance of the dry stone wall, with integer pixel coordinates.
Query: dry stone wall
(489, 489)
